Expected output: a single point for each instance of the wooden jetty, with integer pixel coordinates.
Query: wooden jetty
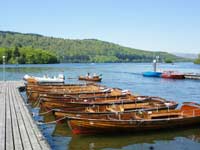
(17, 127)
(195, 76)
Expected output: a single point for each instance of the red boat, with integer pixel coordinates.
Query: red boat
(172, 75)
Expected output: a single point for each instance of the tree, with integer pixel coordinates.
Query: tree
(27, 55)
(197, 61)
(16, 52)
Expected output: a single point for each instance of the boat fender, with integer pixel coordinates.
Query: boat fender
(167, 104)
(149, 112)
(26, 77)
(106, 90)
(140, 98)
(101, 88)
(125, 91)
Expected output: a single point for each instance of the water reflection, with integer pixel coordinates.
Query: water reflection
(24, 69)
(122, 141)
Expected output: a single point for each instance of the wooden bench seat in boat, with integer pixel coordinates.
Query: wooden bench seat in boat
(135, 106)
(115, 108)
(159, 115)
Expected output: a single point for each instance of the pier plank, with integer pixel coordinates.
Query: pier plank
(2, 118)
(17, 127)
(9, 127)
(34, 126)
(16, 132)
(32, 138)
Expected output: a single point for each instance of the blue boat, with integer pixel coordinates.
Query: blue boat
(152, 74)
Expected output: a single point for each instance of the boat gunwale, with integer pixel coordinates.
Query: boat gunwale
(132, 120)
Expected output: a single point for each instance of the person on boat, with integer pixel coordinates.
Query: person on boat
(88, 75)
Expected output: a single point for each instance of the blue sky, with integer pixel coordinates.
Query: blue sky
(159, 25)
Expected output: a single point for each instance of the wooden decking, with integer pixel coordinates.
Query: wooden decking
(17, 128)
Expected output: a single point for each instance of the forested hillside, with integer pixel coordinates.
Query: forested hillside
(88, 50)
(197, 61)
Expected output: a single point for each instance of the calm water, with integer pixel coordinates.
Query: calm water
(125, 76)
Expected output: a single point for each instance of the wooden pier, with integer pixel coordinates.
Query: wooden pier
(17, 127)
(192, 76)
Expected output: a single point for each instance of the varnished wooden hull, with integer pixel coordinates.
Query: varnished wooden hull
(188, 114)
(81, 111)
(126, 104)
(46, 87)
(97, 79)
(34, 94)
(92, 126)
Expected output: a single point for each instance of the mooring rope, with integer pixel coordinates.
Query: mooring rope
(43, 113)
(29, 95)
(51, 122)
(37, 102)
(46, 112)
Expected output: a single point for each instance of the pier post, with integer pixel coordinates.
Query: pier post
(154, 65)
(4, 63)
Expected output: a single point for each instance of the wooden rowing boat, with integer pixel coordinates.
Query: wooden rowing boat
(42, 88)
(127, 103)
(33, 93)
(95, 78)
(97, 110)
(104, 94)
(58, 86)
(187, 115)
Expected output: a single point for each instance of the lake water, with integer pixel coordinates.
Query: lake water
(125, 76)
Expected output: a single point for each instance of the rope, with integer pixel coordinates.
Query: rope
(46, 112)
(37, 102)
(29, 95)
(51, 122)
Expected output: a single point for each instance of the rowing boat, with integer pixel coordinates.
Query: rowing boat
(127, 103)
(33, 93)
(90, 78)
(97, 110)
(187, 115)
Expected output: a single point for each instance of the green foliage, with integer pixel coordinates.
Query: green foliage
(168, 60)
(16, 52)
(88, 50)
(197, 61)
(27, 55)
